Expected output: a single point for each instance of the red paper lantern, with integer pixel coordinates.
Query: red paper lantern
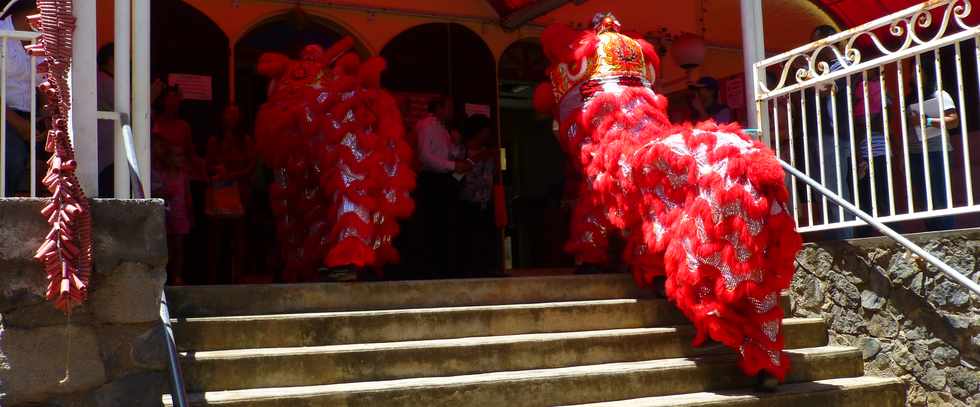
(688, 50)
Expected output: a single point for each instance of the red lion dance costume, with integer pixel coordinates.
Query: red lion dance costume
(335, 140)
(703, 206)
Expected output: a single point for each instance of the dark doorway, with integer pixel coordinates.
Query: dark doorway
(442, 58)
(535, 177)
(425, 62)
(203, 51)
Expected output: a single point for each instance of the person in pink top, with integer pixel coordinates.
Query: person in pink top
(173, 160)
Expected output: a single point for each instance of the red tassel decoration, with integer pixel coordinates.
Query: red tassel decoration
(66, 254)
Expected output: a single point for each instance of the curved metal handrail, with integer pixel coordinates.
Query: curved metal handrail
(178, 394)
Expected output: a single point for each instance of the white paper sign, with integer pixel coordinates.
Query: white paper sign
(472, 109)
(192, 87)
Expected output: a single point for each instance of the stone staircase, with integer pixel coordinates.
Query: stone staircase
(533, 341)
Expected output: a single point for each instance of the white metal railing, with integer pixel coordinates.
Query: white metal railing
(851, 110)
(29, 169)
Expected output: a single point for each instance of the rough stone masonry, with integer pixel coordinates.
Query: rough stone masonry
(117, 355)
(907, 318)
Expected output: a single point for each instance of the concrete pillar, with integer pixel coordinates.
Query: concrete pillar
(753, 50)
(141, 90)
(83, 115)
(123, 95)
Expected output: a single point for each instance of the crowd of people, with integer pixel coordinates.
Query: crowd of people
(454, 219)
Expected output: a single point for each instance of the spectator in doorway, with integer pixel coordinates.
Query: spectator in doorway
(173, 164)
(231, 161)
(476, 217)
(169, 125)
(438, 186)
(705, 103)
(171, 182)
(17, 106)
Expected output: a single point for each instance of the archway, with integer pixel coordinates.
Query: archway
(535, 178)
(201, 51)
(441, 58)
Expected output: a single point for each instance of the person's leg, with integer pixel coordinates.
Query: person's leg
(107, 182)
(836, 163)
(175, 264)
(882, 187)
(433, 195)
(451, 252)
(239, 244)
(18, 154)
(937, 183)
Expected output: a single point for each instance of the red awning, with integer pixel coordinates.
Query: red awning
(848, 13)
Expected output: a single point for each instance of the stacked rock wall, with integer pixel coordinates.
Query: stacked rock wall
(113, 345)
(908, 319)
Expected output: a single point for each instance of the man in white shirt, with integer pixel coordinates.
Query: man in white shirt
(17, 105)
(437, 190)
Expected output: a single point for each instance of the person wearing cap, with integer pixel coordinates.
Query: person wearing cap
(705, 102)
(19, 93)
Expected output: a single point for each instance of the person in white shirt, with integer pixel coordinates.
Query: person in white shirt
(17, 105)
(438, 189)
(935, 142)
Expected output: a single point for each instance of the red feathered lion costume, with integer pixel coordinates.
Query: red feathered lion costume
(703, 205)
(335, 140)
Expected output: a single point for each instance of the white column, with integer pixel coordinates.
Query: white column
(83, 115)
(122, 97)
(141, 90)
(753, 50)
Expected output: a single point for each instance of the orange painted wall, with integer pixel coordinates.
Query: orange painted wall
(375, 30)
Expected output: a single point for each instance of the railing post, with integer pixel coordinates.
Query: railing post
(141, 89)
(753, 50)
(123, 14)
(84, 121)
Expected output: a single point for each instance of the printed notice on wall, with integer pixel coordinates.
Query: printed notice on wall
(472, 109)
(192, 87)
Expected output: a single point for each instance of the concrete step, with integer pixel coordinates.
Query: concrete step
(546, 387)
(847, 392)
(282, 367)
(262, 299)
(349, 327)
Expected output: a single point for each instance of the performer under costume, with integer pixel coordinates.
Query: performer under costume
(702, 205)
(335, 140)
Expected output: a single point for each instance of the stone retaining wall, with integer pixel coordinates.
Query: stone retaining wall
(113, 346)
(908, 319)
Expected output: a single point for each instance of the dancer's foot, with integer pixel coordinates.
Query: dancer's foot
(660, 286)
(340, 274)
(766, 383)
(587, 268)
(367, 274)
